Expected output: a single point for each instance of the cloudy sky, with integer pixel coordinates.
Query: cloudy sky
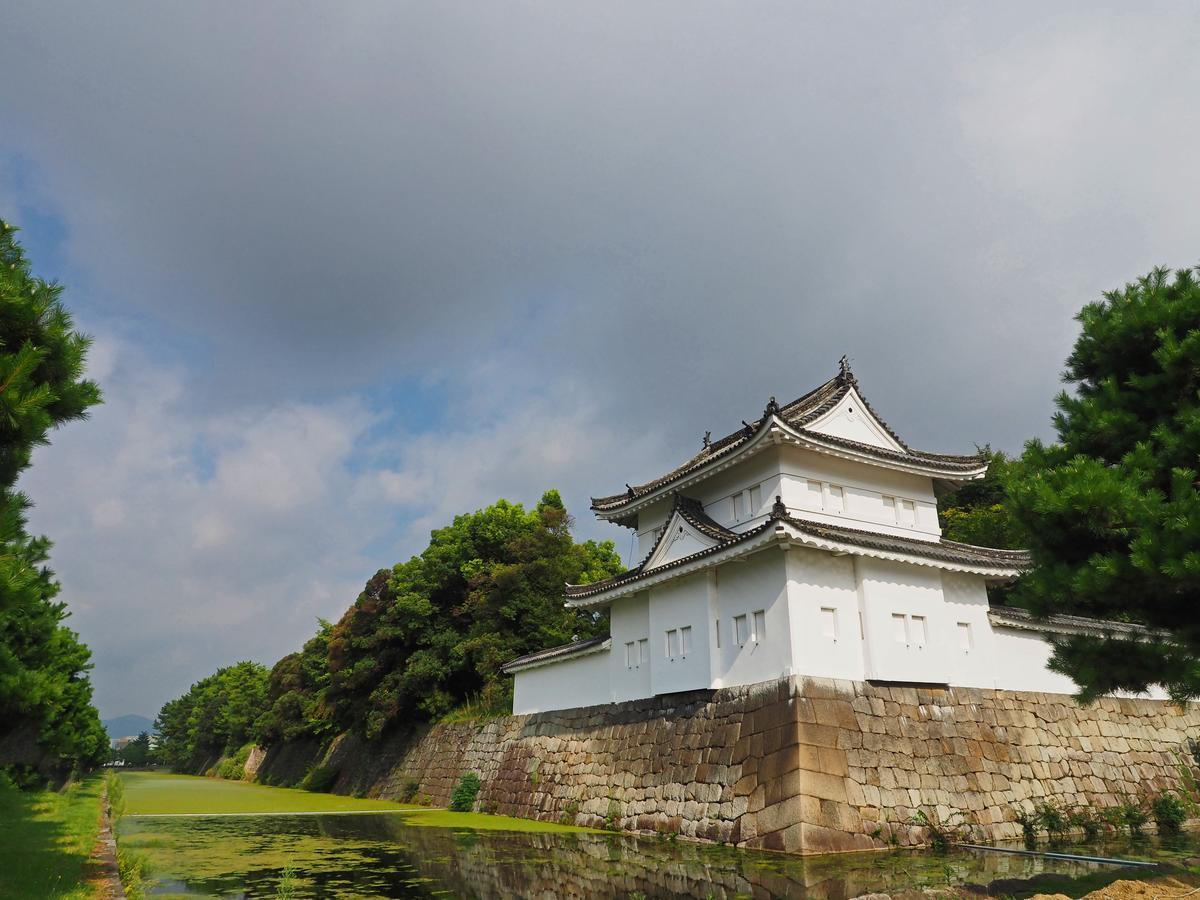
(353, 268)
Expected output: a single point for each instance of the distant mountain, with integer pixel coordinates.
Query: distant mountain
(128, 726)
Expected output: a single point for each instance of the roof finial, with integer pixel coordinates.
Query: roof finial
(748, 428)
(707, 439)
(772, 408)
(631, 491)
(844, 373)
(778, 510)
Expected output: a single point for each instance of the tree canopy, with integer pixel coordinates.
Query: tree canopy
(435, 630)
(214, 718)
(1111, 510)
(44, 686)
(421, 639)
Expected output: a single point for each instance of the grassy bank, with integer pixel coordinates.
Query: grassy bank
(48, 840)
(159, 793)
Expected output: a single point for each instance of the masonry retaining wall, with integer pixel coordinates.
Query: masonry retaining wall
(801, 765)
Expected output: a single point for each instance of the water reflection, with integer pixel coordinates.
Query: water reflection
(380, 855)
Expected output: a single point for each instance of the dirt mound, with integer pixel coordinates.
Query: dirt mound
(1165, 888)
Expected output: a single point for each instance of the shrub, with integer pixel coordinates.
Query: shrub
(1169, 813)
(941, 834)
(1083, 819)
(465, 792)
(1052, 818)
(1029, 821)
(408, 792)
(233, 768)
(1133, 816)
(613, 815)
(321, 779)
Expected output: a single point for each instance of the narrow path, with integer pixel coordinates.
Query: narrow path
(106, 882)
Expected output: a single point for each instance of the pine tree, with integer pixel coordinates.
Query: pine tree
(44, 689)
(1112, 509)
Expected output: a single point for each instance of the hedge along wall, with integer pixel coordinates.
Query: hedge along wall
(801, 764)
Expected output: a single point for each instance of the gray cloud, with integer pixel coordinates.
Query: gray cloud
(598, 230)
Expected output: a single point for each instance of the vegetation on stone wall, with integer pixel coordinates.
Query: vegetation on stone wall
(44, 686)
(423, 639)
(215, 718)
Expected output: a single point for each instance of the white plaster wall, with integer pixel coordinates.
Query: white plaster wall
(865, 486)
(761, 470)
(971, 657)
(573, 682)
(759, 582)
(629, 620)
(850, 419)
(817, 582)
(888, 588)
(678, 603)
(1021, 658)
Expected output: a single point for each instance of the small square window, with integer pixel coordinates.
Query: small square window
(735, 507)
(685, 640)
(741, 630)
(755, 500)
(760, 626)
(964, 636)
(837, 499)
(908, 513)
(643, 651)
(918, 630)
(889, 510)
(630, 654)
(829, 623)
(900, 628)
(672, 643)
(816, 498)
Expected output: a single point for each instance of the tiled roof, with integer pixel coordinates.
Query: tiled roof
(1015, 617)
(940, 550)
(798, 415)
(554, 654)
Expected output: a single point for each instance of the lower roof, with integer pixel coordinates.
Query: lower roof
(941, 553)
(556, 654)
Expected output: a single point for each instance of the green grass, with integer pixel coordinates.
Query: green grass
(48, 839)
(158, 793)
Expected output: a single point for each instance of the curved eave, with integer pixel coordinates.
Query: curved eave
(634, 581)
(1024, 620)
(994, 565)
(986, 564)
(557, 655)
(776, 432)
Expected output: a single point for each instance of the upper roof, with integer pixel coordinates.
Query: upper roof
(782, 526)
(805, 421)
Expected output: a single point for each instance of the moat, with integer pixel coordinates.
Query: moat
(415, 853)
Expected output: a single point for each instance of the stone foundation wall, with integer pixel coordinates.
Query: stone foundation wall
(802, 765)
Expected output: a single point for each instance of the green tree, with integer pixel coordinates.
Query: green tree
(296, 691)
(977, 513)
(137, 752)
(44, 686)
(1111, 509)
(435, 630)
(214, 718)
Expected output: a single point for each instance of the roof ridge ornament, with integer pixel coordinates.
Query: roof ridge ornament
(772, 408)
(748, 428)
(844, 372)
(778, 510)
(708, 440)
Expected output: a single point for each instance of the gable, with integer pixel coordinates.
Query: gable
(680, 538)
(851, 420)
